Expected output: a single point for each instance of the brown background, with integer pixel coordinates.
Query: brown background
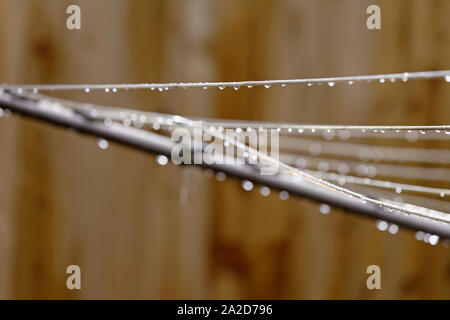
(138, 230)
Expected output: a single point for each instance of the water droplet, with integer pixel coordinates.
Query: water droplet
(247, 185)
(382, 80)
(221, 87)
(106, 90)
(209, 173)
(412, 136)
(434, 239)
(392, 80)
(284, 85)
(381, 225)
(264, 191)
(315, 149)
(19, 90)
(220, 176)
(405, 77)
(160, 89)
(108, 122)
(162, 160)
(301, 163)
(94, 113)
(267, 86)
(300, 130)
(329, 134)
(102, 144)
(87, 90)
(442, 194)
(309, 84)
(126, 122)
(344, 134)
(324, 208)
(114, 90)
(236, 88)
(205, 88)
(393, 229)
(447, 78)
(249, 86)
(284, 195)
(419, 235)
(398, 190)
(343, 169)
(350, 82)
(35, 90)
(331, 84)
(323, 166)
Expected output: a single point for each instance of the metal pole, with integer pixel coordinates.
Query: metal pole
(156, 144)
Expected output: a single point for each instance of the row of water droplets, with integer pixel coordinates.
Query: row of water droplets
(103, 144)
(419, 235)
(329, 132)
(236, 85)
(162, 159)
(161, 120)
(284, 195)
(323, 208)
(342, 179)
(395, 186)
(296, 174)
(139, 118)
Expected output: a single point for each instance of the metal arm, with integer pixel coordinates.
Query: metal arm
(156, 144)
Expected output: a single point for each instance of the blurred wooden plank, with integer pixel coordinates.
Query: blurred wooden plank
(142, 231)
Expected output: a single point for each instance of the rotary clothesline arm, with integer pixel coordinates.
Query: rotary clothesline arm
(161, 145)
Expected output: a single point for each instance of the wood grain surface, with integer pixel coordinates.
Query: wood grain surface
(139, 230)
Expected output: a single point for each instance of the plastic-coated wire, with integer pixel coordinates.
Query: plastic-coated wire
(64, 116)
(167, 120)
(379, 183)
(368, 152)
(331, 81)
(373, 168)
